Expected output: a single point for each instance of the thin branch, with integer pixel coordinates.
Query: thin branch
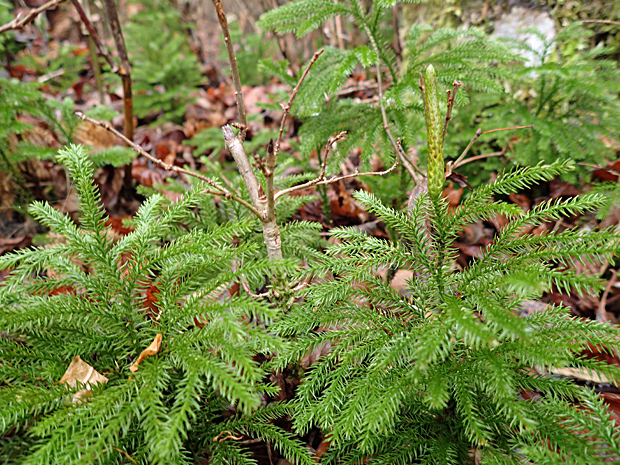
(271, 158)
(410, 165)
(221, 438)
(102, 49)
(328, 150)
(272, 155)
(477, 135)
(249, 292)
(474, 139)
(22, 20)
(125, 454)
(601, 314)
(480, 157)
(221, 17)
(125, 67)
(386, 126)
(451, 97)
(602, 21)
(219, 190)
(506, 129)
(319, 181)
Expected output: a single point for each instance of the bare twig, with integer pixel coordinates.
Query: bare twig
(219, 190)
(318, 181)
(475, 138)
(22, 20)
(480, 157)
(125, 73)
(125, 68)
(125, 454)
(507, 129)
(271, 158)
(602, 21)
(451, 97)
(249, 292)
(221, 17)
(601, 314)
(102, 49)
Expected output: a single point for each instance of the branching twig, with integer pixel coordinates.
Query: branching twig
(221, 438)
(219, 190)
(479, 132)
(321, 179)
(249, 292)
(235, 146)
(22, 20)
(451, 97)
(480, 157)
(272, 155)
(221, 17)
(286, 108)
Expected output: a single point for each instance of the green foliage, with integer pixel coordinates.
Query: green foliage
(427, 374)
(20, 102)
(63, 66)
(250, 48)
(452, 362)
(571, 99)
(465, 54)
(7, 44)
(87, 295)
(165, 70)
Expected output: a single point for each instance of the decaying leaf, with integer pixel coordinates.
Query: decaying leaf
(81, 371)
(152, 349)
(581, 374)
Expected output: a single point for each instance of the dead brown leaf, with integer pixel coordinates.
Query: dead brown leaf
(80, 371)
(152, 349)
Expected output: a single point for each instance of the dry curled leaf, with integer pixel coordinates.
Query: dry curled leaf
(228, 435)
(152, 349)
(81, 371)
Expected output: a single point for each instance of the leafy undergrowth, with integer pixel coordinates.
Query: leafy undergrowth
(52, 77)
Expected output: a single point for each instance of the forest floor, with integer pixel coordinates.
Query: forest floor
(213, 106)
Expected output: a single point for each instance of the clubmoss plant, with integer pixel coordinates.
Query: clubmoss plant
(108, 300)
(452, 369)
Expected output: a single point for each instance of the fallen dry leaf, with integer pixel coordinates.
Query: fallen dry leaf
(152, 349)
(81, 371)
(581, 374)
